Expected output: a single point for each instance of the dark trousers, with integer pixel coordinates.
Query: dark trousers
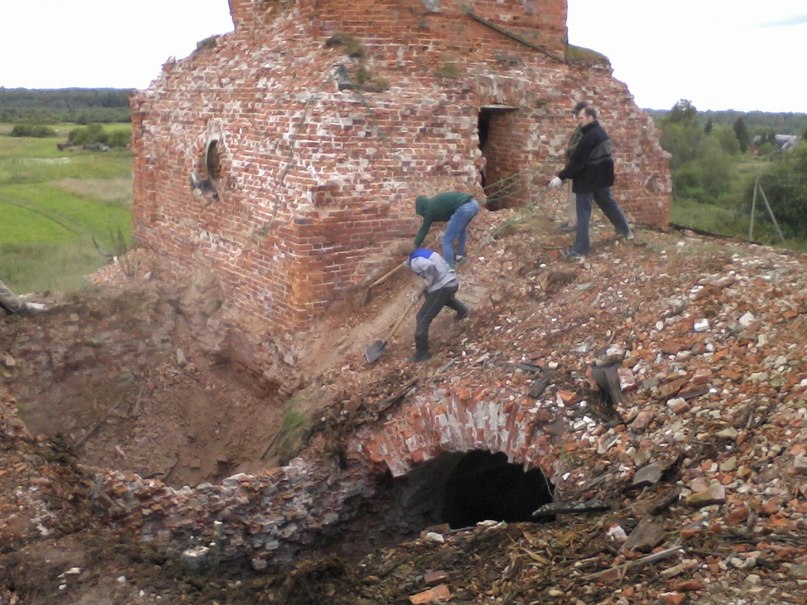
(610, 208)
(434, 303)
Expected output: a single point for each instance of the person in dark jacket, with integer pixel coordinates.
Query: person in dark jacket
(571, 224)
(457, 209)
(591, 169)
(440, 291)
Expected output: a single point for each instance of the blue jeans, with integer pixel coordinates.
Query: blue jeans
(610, 208)
(457, 229)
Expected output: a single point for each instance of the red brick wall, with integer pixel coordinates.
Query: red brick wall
(317, 182)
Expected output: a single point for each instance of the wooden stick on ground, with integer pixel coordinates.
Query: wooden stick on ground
(100, 423)
(620, 571)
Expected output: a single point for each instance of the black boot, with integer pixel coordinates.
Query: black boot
(421, 345)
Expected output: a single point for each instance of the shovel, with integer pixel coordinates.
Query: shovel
(369, 293)
(373, 352)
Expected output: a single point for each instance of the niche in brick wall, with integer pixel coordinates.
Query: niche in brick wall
(207, 175)
(497, 133)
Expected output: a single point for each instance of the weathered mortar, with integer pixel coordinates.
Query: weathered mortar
(314, 183)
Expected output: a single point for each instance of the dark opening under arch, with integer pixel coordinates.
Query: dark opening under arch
(455, 488)
(485, 486)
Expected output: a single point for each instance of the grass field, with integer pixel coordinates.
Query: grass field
(53, 204)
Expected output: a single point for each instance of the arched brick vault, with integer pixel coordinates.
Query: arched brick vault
(315, 182)
(457, 420)
(269, 517)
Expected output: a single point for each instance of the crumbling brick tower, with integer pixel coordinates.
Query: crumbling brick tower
(286, 155)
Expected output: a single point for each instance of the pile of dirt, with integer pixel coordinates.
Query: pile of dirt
(190, 416)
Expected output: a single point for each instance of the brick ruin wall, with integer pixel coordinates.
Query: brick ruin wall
(313, 184)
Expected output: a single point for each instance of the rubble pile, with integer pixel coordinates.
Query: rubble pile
(702, 456)
(662, 378)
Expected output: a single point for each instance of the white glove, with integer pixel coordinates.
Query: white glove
(415, 295)
(555, 182)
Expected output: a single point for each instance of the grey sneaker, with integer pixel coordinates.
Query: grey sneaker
(629, 235)
(567, 228)
(572, 254)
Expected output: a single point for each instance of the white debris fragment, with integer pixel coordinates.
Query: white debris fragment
(701, 325)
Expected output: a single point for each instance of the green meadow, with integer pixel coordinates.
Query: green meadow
(53, 203)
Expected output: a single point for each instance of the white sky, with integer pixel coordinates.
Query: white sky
(720, 54)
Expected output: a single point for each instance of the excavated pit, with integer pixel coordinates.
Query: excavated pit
(121, 381)
(133, 383)
(178, 427)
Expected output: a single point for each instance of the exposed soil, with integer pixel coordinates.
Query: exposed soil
(195, 413)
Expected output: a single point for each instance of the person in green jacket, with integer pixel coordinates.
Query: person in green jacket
(452, 207)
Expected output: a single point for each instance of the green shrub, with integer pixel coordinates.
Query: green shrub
(292, 427)
(119, 138)
(39, 131)
(785, 185)
(353, 47)
(714, 166)
(86, 135)
(449, 71)
(368, 82)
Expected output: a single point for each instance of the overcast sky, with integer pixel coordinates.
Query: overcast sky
(719, 54)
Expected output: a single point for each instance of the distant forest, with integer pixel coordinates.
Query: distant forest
(78, 105)
(104, 105)
(755, 121)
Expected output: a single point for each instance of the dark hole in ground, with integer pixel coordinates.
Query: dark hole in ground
(485, 486)
(457, 488)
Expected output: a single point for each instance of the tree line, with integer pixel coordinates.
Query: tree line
(78, 105)
(718, 157)
(755, 121)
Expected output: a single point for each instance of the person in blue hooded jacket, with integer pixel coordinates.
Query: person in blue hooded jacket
(440, 291)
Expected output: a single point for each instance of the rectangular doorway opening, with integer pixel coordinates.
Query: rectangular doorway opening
(500, 144)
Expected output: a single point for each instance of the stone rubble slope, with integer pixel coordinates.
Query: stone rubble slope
(703, 461)
(709, 441)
